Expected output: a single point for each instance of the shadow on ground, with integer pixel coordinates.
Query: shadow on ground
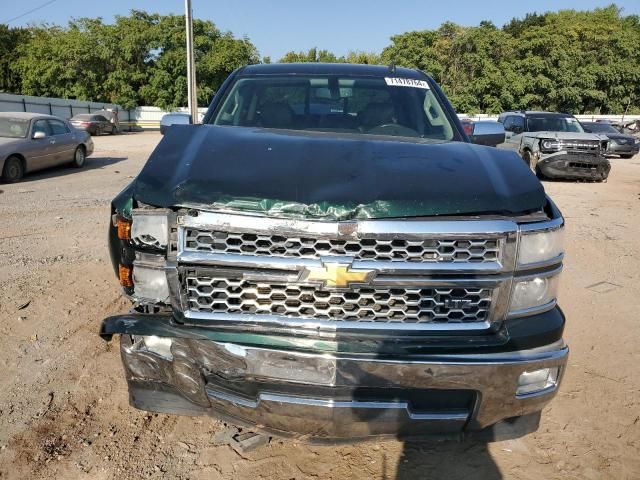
(92, 163)
(448, 460)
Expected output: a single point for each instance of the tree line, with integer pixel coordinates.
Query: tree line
(138, 60)
(573, 61)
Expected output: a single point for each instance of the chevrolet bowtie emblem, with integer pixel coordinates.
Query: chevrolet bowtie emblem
(335, 275)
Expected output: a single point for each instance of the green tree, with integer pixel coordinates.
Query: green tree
(313, 55)
(577, 61)
(138, 60)
(10, 38)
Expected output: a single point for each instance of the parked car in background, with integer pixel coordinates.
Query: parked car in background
(174, 118)
(555, 145)
(628, 128)
(619, 143)
(31, 141)
(94, 124)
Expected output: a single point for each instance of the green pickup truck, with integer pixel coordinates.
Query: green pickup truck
(328, 256)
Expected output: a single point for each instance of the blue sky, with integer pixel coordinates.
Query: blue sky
(276, 27)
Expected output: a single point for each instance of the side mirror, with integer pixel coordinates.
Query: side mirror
(38, 135)
(517, 129)
(487, 133)
(174, 119)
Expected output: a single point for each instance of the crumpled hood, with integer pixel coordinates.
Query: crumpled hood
(333, 177)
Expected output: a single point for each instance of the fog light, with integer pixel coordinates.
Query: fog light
(537, 381)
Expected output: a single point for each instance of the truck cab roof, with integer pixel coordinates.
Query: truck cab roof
(330, 68)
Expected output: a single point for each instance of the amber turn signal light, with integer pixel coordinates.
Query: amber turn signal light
(126, 276)
(124, 228)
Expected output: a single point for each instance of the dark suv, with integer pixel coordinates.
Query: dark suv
(619, 143)
(555, 145)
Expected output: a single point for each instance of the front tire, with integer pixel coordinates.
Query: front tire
(79, 157)
(13, 170)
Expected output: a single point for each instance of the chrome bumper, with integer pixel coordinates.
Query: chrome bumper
(332, 396)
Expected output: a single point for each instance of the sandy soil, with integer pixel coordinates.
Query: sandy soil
(63, 399)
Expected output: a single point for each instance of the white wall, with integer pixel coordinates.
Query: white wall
(149, 117)
(55, 106)
(586, 118)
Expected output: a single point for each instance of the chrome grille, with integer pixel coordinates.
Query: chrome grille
(476, 250)
(217, 294)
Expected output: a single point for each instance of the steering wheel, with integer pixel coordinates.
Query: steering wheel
(393, 129)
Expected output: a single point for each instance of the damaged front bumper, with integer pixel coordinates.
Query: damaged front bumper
(574, 166)
(334, 395)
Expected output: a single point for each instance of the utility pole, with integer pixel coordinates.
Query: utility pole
(191, 65)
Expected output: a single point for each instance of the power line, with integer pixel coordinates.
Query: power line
(30, 11)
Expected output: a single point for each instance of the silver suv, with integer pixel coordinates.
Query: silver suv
(555, 145)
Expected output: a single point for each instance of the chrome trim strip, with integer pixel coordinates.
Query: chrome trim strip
(526, 312)
(547, 273)
(324, 403)
(552, 224)
(493, 281)
(296, 263)
(538, 393)
(545, 263)
(315, 325)
(254, 224)
(551, 352)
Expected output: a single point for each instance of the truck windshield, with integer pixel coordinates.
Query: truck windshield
(13, 127)
(339, 104)
(552, 123)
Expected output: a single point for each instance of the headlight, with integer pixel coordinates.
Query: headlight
(550, 145)
(536, 247)
(150, 284)
(150, 228)
(533, 292)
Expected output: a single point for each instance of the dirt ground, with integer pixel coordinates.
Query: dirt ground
(63, 398)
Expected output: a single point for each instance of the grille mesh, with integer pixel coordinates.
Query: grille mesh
(216, 294)
(429, 250)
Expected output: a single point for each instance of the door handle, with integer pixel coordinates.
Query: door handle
(52, 142)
